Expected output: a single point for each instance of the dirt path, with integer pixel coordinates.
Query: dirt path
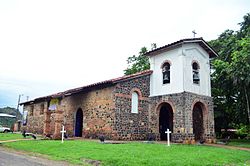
(20, 158)
(214, 145)
(228, 147)
(15, 140)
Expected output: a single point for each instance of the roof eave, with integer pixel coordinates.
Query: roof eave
(212, 53)
(137, 75)
(161, 50)
(27, 102)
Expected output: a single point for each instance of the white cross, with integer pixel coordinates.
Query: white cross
(168, 132)
(63, 131)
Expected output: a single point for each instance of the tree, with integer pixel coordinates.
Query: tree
(9, 122)
(137, 63)
(231, 79)
(239, 71)
(140, 62)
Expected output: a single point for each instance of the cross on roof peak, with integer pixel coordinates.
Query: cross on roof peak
(194, 33)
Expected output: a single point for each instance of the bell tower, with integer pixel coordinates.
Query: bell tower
(180, 91)
(182, 66)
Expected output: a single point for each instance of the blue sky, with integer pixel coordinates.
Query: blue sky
(53, 45)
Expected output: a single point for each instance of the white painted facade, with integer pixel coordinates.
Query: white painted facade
(181, 73)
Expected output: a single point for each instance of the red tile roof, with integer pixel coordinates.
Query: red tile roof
(200, 41)
(102, 83)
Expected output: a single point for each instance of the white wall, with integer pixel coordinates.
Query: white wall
(181, 76)
(193, 52)
(176, 73)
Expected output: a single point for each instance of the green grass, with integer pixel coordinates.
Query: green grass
(134, 153)
(14, 136)
(10, 136)
(240, 143)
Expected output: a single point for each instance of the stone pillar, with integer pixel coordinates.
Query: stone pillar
(211, 138)
(46, 127)
(58, 124)
(15, 127)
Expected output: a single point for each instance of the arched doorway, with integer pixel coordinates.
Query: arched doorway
(78, 123)
(165, 120)
(198, 127)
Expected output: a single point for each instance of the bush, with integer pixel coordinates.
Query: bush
(243, 131)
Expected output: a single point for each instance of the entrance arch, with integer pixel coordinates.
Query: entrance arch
(78, 123)
(198, 125)
(165, 120)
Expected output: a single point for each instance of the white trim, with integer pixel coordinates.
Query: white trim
(134, 102)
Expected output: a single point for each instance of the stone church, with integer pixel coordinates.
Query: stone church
(174, 94)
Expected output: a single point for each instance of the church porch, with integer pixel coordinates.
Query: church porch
(178, 112)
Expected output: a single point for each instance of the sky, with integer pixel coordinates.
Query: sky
(53, 45)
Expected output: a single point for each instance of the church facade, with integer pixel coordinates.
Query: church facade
(174, 94)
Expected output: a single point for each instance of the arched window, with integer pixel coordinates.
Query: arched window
(166, 73)
(134, 102)
(196, 75)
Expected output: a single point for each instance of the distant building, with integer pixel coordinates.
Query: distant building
(174, 94)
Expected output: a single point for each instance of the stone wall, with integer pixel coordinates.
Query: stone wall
(132, 126)
(35, 118)
(208, 114)
(107, 111)
(98, 112)
(182, 105)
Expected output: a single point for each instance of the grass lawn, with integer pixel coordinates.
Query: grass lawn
(14, 136)
(10, 136)
(240, 143)
(134, 153)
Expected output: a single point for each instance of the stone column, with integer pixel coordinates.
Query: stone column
(210, 124)
(46, 127)
(58, 124)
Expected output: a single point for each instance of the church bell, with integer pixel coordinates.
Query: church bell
(166, 78)
(196, 77)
